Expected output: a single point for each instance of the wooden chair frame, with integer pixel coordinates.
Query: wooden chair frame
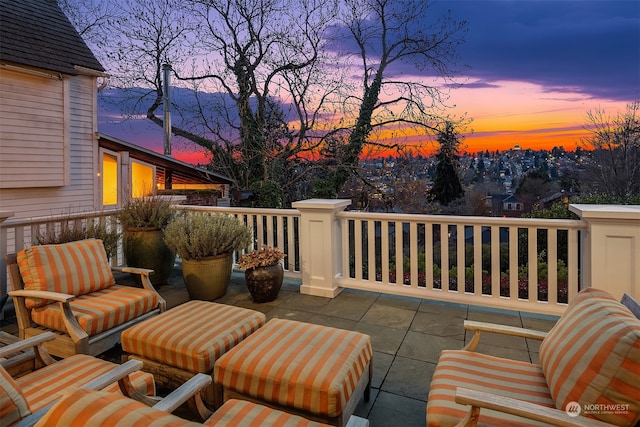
(74, 340)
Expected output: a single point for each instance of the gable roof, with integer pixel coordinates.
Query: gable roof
(37, 33)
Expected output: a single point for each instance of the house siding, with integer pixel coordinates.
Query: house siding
(47, 166)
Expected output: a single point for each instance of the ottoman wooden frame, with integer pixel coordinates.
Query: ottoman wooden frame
(187, 340)
(305, 369)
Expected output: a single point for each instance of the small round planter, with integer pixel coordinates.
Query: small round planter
(264, 283)
(207, 278)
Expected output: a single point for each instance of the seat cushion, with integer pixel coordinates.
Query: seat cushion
(13, 403)
(592, 356)
(243, 413)
(101, 310)
(191, 336)
(45, 385)
(90, 408)
(74, 268)
(309, 367)
(511, 378)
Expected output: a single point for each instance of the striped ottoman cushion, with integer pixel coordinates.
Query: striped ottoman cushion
(310, 367)
(13, 403)
(193, 335)
(459, 368)
(74, 268)
(45, 385)
(101, 310)
(592, 356)
(246, 414)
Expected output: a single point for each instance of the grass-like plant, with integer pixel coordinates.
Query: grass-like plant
(195, 236)
(72, 230)
(147, 212)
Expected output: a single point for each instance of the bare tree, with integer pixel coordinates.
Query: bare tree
(615, 141)
(388, 34)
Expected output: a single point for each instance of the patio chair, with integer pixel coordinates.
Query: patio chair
(108, 409)
(588, 373)
(69, 289)
(38, 390)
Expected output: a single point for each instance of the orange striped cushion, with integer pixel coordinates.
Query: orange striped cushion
(592, 356)
(89, 408)
(246, 414)
(100, 310)
(310, 367)
(193, 335)
(45, 385)
(13, 404)
(459, 368)
(74, 268)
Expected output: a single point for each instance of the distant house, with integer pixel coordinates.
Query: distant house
(51, 157)
(505, 205)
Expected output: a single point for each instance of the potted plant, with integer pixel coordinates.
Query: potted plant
(206, 243)
(143, 221)
(263, 272)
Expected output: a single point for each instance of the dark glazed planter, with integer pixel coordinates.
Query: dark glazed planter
(264, 283)
(145, 248)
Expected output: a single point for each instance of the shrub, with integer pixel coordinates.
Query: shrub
(197, 236)
(147, 212)
(73, 230)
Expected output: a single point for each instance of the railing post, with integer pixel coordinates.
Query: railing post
(4, 282)
(611, 248)
(320, 245)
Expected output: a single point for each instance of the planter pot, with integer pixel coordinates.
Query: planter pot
(264, 283)
(145, 248)
(207, 278)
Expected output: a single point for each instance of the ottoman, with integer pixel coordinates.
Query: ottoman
(188, 339)
(314, 371)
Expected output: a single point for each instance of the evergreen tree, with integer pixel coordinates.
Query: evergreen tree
(446, 184)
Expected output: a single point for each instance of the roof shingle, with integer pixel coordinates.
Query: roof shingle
(37, 33)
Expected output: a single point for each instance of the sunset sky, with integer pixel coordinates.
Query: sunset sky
(535, 68)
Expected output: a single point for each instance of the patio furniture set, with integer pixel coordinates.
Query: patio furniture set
(283, 372)
(303, 373)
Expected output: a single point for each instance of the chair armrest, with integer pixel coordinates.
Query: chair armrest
(479, 399)
(132, 270)
(52, 296)
(180, 395)
(16, 347)
(479, 327)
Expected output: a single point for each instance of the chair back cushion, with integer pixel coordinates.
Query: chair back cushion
(13, 404)
(592, 357)
(75, 268)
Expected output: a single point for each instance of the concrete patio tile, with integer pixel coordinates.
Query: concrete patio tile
(349, 306)
(391, 410)
(381, 364)
(364, 408)
(398, 301)
(538, 323)
(426, 348)
(438, 324)
(389, 316)
(308, 302)
(289, 314)
(409, 378)
(383, 339)
(501, 317)
(332, 321)
(446, 308)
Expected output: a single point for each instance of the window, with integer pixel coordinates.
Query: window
(109, 175)
(142, 179)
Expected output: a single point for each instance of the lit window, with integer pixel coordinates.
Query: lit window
(109, 177)
(142, 179)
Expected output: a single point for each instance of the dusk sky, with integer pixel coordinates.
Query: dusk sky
(535, 68)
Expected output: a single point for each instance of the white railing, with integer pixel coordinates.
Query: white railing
(272, 227)
(475, 260)
(520, 264)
